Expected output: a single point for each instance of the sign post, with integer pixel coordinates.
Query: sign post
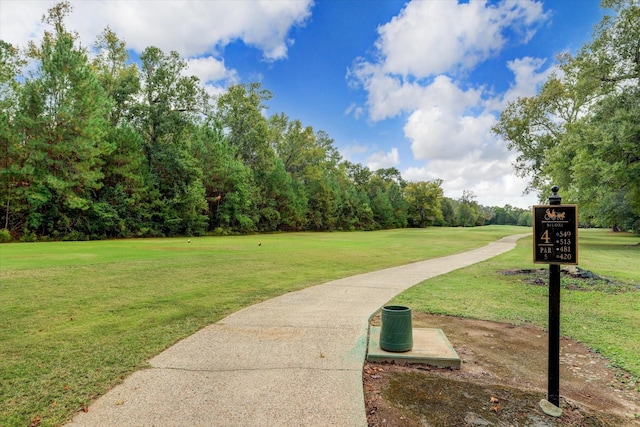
(555, 242)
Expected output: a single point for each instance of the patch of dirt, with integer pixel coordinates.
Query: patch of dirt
(573, 278)
(501, 382)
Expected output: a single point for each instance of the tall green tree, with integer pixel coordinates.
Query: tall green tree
(167, 117)
(239, 110)
(580, 131)
(424, 199)
(533, 126)
(120, 203)
(607, 145)
(312, 161)
(228, 182)
(324, 195)
(468, 213)
(11, 64)
(119, 77)
(355, 209)
(285, 206)
(296, 147)
(389, 208)
(448, 212)
(605, 177)
(62, 121)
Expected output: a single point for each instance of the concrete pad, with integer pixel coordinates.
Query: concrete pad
(430, 347)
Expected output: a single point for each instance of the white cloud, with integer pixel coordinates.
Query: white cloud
(493, 182)
(436, 134)
(193, 28)
(354, 109)
(353, 152)
(383, 160)
(433, 37)
(210, 69)
(430, 39)
(422, 59)
(197, 26)
(389, 95)
(20, 20)
(529, 75)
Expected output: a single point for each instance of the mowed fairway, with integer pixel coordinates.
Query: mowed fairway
(77, 317)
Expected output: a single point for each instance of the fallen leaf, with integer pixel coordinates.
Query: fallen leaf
(495, 408)
(495, 400)
(120, 402)
(35, 421)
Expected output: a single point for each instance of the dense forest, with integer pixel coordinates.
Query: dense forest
(94, 145)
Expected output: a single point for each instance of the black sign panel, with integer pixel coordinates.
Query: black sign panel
(555, 234)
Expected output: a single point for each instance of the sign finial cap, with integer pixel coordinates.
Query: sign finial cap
(555, 199)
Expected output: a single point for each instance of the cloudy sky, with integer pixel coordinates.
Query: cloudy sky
(414, 85)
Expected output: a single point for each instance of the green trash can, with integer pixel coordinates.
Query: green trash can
(396, 333)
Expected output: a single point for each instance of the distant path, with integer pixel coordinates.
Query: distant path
(295, 360)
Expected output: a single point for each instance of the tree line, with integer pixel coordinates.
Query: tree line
(582, 131)
(94, 146)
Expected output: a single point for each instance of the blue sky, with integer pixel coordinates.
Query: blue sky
(412, 85)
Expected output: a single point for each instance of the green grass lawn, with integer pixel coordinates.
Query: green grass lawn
(77, 317)
(606, 320)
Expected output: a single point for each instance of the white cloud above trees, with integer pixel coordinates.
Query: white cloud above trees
(420, 70)
(197, 29)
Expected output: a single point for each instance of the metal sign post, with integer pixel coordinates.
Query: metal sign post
(555, 242)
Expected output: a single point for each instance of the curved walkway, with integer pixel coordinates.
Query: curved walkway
(295, 360)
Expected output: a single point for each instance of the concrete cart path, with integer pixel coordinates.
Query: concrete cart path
(295, 360)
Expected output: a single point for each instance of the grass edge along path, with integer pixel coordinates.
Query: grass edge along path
(606, 321)
(78, 317)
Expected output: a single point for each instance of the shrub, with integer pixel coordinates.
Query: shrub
(28, 236)
(5, 236)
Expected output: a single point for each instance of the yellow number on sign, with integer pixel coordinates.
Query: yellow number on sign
(545, 236)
